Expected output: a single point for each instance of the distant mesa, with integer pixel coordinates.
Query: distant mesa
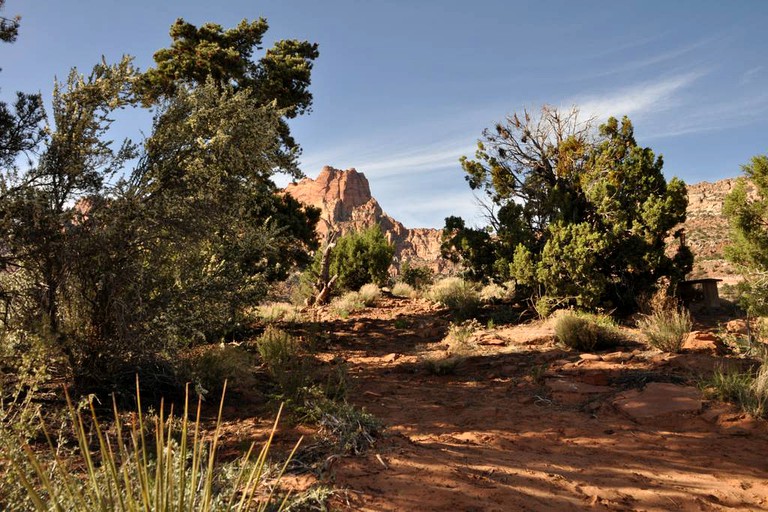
(346, 204)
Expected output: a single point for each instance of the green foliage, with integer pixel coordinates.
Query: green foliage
(457, 294)
(178, 469)
(579, 215)
(747, 216)
(344, 429)
(360, 258)
(666, 329)
(416, 276)
(460, 338)
(586, 332)
(119, 270)
(281, 77)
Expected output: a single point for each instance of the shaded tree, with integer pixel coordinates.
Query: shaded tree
(582, 215)
(748, 218)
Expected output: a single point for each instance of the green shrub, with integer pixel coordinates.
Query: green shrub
(457, 294)
(176, 469)
(416, 276)
(586, 332)
(405, 290)
(667, 329)
(369, 294)
(278, 350)
(361, 258)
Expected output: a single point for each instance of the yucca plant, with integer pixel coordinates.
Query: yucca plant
(124, 473)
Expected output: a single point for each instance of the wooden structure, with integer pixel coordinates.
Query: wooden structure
(702, 291)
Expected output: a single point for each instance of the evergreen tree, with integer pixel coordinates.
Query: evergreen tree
(582, 216)
(748, 218)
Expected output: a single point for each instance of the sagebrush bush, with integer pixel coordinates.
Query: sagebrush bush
(369, 294)
(457, 294)
(666, 329)
(347, 303)
(586, 332)
(459, 337)
(277, 348)
(493, 292)
(405, 290)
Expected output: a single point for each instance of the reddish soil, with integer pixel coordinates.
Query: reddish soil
(525, 425)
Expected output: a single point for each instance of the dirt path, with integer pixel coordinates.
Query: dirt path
(502, 433)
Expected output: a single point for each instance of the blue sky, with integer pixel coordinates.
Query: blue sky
(403, 88)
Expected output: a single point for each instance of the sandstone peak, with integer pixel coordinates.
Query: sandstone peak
(346, 204)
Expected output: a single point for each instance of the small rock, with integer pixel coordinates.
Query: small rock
(358, 326)
(617, 357)
(595, 378)
(590, 357)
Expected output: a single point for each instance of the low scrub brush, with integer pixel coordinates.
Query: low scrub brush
(457, 294)
(666, 329)
(586, 332)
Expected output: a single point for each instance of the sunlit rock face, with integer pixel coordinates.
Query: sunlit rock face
(346, 204)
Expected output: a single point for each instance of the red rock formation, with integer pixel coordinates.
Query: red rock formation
(345, 201)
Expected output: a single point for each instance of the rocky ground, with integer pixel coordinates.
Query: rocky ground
(525, 425)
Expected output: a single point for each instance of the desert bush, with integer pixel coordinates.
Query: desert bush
(405, 290)
(416, 276)
(176, 469)
(277, 349)
(457, 294)
(221, 364)
(361, 258)
(369, 294)
(493, 292)
(586, 332)
(344, 428)
(347, 303)
(459, 337)
(666, 329)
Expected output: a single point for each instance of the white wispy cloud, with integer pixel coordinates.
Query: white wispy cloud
(750, 74)
(636, 100)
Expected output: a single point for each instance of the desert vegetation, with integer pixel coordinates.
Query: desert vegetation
(174, 335)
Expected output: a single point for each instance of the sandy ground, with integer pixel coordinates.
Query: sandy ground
(524, 425)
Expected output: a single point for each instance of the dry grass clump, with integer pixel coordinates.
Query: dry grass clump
(219, 364)
(586, 332)
(369, 294)
(747, 389)
(278, 312)
(405, 290)
(666, 330)
(347, 303)
(494, 292)
(457, 294)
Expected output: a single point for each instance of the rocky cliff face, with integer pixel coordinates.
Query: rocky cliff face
(345, 201)
(707, 231)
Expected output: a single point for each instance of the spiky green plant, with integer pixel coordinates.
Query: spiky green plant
(176, 470)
